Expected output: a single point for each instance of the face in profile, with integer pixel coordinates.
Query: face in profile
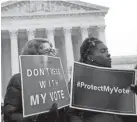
(101, 55)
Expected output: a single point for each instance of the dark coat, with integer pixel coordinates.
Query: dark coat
(13, 105)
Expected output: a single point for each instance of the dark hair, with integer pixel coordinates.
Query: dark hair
(32, 47)
(87, 47)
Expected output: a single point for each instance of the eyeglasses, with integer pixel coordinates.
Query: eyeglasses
(48, 51)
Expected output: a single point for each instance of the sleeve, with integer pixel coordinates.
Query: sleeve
(72, 114)
(13, 101)
(46, 117)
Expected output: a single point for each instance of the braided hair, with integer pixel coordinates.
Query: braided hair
(88, 47)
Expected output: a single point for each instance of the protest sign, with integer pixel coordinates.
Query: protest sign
(102, 89)
(43, 83)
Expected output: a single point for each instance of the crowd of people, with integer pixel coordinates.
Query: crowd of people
(93, 52)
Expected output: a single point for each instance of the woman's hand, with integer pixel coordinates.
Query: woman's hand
(134, 88)
(54, 110)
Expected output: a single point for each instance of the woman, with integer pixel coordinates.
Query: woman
(93, 52)
(13, 100)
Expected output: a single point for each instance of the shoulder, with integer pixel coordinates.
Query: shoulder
(15, 81)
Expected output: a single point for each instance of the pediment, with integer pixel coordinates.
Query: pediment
(22, 8)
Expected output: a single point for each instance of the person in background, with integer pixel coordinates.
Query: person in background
(13, 98)
(134, 87)
(94, 52)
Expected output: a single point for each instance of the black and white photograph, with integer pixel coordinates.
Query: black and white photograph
(110, 86)
(68, 61)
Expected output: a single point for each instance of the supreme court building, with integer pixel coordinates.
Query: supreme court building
(65, 23)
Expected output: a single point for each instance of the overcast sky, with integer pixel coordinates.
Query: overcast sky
(121, 25)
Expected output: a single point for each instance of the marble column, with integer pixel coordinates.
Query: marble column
(50, 36)
(101, 33)
(14, 52)
(69, 48)
(84, 33)
(31, 34)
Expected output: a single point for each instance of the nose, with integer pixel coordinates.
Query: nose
(108, 54)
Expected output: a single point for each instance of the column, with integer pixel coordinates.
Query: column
(69, 48)
(14, 52)
(101, 34)
(50, 36)
(93, 32)
(31, 34)
(84, 33)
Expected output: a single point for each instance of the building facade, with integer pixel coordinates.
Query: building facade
(124, 62)
(65, 23)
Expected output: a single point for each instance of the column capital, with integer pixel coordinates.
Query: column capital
(67, 29)
(93, 27)
(84, 28)
(31, 31)
(50, 30)
(13, 33)
(101, 28)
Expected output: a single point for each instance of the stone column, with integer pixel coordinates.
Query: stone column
(101, 34)
(31, 34)
(14, 52)
(69, 48)
(93, 32)
(50, 36)
(84, 33)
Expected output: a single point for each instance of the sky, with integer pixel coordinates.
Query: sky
(121, 25)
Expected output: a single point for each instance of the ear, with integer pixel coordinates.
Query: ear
(89, 57)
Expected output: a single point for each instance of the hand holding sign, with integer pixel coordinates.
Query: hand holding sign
(53, 111)
(134, 88)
